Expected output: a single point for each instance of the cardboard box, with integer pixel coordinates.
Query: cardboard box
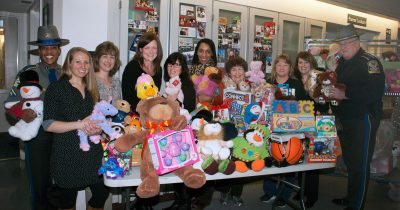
(293, 116)
(240, 96)
(171, 150)
(325, 126)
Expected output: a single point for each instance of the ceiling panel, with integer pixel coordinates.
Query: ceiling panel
(15, 6)
(385, 8)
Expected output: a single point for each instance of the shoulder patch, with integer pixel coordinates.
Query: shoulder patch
(373, 67)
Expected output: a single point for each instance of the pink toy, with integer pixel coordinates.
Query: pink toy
(172, 150)
(100, 111)
(255, 75)
(173, 87)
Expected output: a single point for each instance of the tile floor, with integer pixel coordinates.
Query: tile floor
(14, 192)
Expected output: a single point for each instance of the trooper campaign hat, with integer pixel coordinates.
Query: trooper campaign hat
(48, 36)
(346, 32)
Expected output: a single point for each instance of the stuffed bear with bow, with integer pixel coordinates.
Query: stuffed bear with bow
(158, 114)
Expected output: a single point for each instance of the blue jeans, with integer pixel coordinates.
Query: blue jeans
(270, 185)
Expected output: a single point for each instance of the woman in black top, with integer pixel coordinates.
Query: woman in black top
(176, 65)
(281, 75)
(146, 60)
(68, 104)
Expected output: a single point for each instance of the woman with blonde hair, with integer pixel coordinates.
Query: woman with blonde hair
(68, 104)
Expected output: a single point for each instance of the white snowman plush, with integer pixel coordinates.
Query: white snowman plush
(27, 127)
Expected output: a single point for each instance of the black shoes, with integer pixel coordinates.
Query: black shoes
(341, 201)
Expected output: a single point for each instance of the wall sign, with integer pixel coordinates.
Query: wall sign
(388, 35)
(357, 20)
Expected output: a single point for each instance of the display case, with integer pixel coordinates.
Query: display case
(262, 37)
(143, 16)
(190, 22)
(230, 31)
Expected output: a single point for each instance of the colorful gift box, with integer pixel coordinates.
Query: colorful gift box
(322, 149)
(325, 126)
(171, 150)
(293, 116)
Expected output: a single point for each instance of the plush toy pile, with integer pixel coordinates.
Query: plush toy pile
(157, 114)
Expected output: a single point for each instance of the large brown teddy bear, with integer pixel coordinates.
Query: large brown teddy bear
(325, 81)
(159, 111)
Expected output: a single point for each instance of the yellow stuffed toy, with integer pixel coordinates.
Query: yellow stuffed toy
(145, 87)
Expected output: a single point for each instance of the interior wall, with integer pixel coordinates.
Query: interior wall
(86, 23)
(323, 11)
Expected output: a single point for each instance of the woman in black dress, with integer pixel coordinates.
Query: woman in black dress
(68, 104)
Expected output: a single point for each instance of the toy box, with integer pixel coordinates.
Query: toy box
(220, 113)
(325, 126)
(265, 119)
(240, 125)
(284, 137)
(293, 116)
(244, 97)
(323, 149)
(171, 150)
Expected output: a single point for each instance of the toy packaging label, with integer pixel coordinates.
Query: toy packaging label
(237, 108)
(171, 150)
(284, 137)
(325, 126)
(238, 120)
(265, 119)
(293, 116)
(245, 97)
(221, 113)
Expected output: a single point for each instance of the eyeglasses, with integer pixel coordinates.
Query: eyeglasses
(175, 65)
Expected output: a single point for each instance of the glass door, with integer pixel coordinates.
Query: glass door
(262, 37)
(290, 35)
(190, 22)
(315, 29)
(137, 17)
(230, 31)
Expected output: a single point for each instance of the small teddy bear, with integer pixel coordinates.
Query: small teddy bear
(255, 75)
(244, 86)
(123, 112)
(326, 81)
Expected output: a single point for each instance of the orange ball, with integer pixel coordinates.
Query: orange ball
(290, 151)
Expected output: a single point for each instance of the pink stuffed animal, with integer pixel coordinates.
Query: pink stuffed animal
(173, 87)
(255, 75)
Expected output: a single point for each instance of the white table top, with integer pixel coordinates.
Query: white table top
(134, 178)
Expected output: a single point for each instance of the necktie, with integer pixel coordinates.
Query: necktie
(52, 75)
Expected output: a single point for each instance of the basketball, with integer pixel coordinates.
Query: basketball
(289, 151)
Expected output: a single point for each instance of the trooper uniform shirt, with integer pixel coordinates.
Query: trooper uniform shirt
(43, 71)
(365, 81)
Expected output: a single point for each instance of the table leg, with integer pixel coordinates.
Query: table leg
(281, 186)
(126, 200)
(303, 178)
